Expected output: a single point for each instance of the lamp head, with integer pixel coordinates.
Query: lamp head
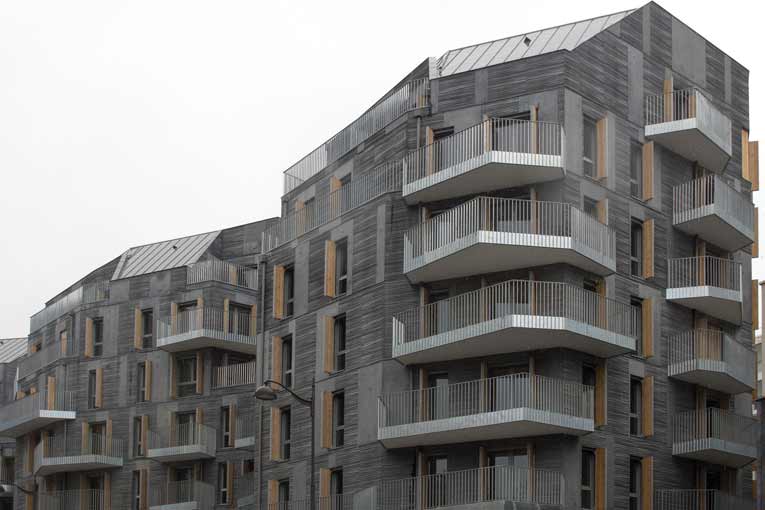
(265, 392)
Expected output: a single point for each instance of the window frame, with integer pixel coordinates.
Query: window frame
(636, 170)
(634, 492)
(589, 162)
(92, 390)
(636, 247)
(340, 331)
(341, 267)
(289, 291)
(147, 327)
(338, 415)
(223, 497)
(140, 382)
(226, 440)
(136, 490)
(636, 406)
(336, 482)
(138, 447)
(637, 302)
(587, 466)
(98, 336)
(288, 370)
(182, 387)
(285, 439)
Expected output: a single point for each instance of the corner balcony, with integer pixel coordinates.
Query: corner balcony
(518, 405)
(695, 499)
(716, 436)
(515, 316)
(486, 235)
(708, 284)
(45, 357)
(246, 424)
(201, 328)
(73, 499)
(711, 209)
(224, 272)
(182, 495)
(478, 487)
(182, 443)
(56, 455)
(687, 123)
(713, 360)
(36, 411)
(495, 154)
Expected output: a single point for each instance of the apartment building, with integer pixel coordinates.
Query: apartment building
(11, 349)
(522, 277)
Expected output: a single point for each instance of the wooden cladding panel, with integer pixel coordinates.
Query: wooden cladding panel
(647, 327)
(85, 437)
(51, 397)
(278, 292)
(648, 171)
(88, 337)
(647, 422)
(602, 210)
(646, 486)
(144, 434)
(137, 328)
(329, 344)
(648, 248)
(754, 164)
(326, 419)
(254, 320)
(325, 475)
(273, 493)
(276, 433)
(668, 88)
(276, 358)
(330, 256)
(755, 304)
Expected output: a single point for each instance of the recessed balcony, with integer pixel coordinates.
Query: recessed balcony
(495, 154)
(687, 123)
(215, 270)
(36, 411)
(74, 499)
(696, 499)
(182, 443)
(486, 235)
(200, 328)
(711, 359)
(518, 405)
(48, 355)
(716, 436)
(711, 209)
(182, 495)
(515, 316)
(237, 374)
(57, 455)
(708, 284)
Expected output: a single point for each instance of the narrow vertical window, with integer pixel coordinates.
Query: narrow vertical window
(98, 336)
(223, 495)
(286, 438)
(141, 382)
(635, 483)
(338, 419)
(636, 405)
(339, 342)
(289, 291)
(589, 152)
(636, 247)
(225, 427)
(137, 437)
(636, 170)
(186, 374)
(91, 389)
(588, 480)
(638, 303)
(341, 269)
(287, 361)
(147, 324)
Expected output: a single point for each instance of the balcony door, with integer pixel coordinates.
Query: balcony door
(94, 499)
(438, 396)
(507, 389)
(185, 429)
(508, 479)
(436, 487)
(181, 486)
(513, 133)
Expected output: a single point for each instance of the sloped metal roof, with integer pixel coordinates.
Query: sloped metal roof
(564, 37)
(12, 348)
(164, 255)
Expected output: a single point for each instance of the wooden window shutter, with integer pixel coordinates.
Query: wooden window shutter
(326, 419)
(88, 337)
(107, 491)
(647, 420)
(278, 292)
(755, 304)
(276, 433)
(669, 113)
(602, 210)
(51, 396)
(254, 320)
(647, 327)
(329, 344)
(648, 171)
(334, 197)
(85, 438)
(276, 358)
(646, 486)
(200, 372)
(173, 317)
(601, 389)
(754, 164)
(148, 378)
(534, 115)
(173, 378)
(746, 173)
(230, 482)
(137, 328)
(300, 217)
(756, 244)
(487, 138)
(200, 315)
(144, 488)
(99, 387)
(226, 313)
(648, 248)
(199, 416)
(329, 268)
(325, 474)
(602, 143)
(144, 434)
(65, 343)
(109, 431)
(600, 479)
(430, 154)
(273, 493)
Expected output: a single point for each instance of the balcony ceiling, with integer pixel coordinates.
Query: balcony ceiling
(714, 301)
(17, 426)
(684, 137)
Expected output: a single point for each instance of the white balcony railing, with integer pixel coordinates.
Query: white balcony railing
(246, 427)
(238, 374)
(46, 356)
(714, 424)
(90, 293)
(694, 499)
(228, 326)
(30, 406)
(74, 499)
(185, 491)
(183, 435)
(704, 272)
(712, 347)
(220, 271)
(58, 451)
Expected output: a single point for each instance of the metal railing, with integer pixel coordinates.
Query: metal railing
(185, 491)
(48, 355)
(544, 220)
(713, 423)
(525, 139)
(704, 271)
(363, 188)
(62, 450)
(32, 404)
(234, 375)
(86, 294)
(187, 434)
(694, 499)
(496, 483)
(410, 96)
(516, 297)
(246, 424)
(694, 199)
(220, 271)
(7, 465)
(714, 347)
(75, 499)
(231, 325)
(485, 396)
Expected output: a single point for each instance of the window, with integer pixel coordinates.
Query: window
(638, 303)
(289, 291)
(588, 480)
(338, 419)
(98, 336)
(591, 207)
(590, 285)
(239, 319)
(186, 370)
(636, 170)
(442, 133)
(341, 267)
(588, 375)
(336, 482)
(137, 437)
(636, 405)
(91, 389)
(185, 429)
(345, 194)
(636, 248)
(141, 382)
(589, 149)
(339, 342)
(63, 339)
(223, 495)
(286, 439)
(147, 326)
(135, 490)
(225, 427)
(248, 466)
(635, 474)
(287, 361)
(97, 438)
(283, 493)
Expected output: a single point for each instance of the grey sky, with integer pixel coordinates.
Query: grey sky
(123, 123)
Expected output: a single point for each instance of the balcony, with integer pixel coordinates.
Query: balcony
(88, 499)
(711, 209)
(7, 471)
(224, 272)
(231, 376)
(716, 436)
(708, 284)
(518, 405)
(86, 294)
(693, 499)
(495, 154)
(36, 411)
(182, 443)
(45, 357)
(201, 328)
(486, 235)
(479, 486)
(57, 455)
(515, 316)
(246, 425)
(182, 495)
(687, 123)
(713, 360)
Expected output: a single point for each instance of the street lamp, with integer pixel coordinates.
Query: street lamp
(266, 393)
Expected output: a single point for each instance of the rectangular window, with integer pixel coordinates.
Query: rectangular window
(289, 291)
(636, 248)
(223, 495)
(147, 325)
(338, 419)
(590, 147)
(339, 342)
(239, 319)
(336, 482)
(97, 438)
(63, 342)
(286, 439)
(588, 375)
(185, 429)
(588, 480)
(287, 361)
(638, 303)
(98, 336)
(636, 405)
(225, 427)
(140, 376)
(341, 267)
(635, 479)
(186, 374)
(137, 437)
(91, 389)
(283, 493)
(135, 491)
(591, 207)
(636, 170)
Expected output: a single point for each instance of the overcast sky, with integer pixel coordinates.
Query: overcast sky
(124, 123)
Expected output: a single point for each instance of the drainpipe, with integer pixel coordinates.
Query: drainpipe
(261, 367)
